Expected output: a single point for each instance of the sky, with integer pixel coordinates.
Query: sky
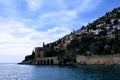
(26, 24)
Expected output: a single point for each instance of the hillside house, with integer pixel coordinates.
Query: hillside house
(113, 20)
(78, 34)
(115, 27)
(107, 27)
(95, 32)
(118, 27)
(100, 25)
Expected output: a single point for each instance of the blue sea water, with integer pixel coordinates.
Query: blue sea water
(34, 72)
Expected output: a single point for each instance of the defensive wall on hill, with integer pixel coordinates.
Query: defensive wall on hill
(99, 59)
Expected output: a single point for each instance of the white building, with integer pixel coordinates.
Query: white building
(107, 27)
(112, 20)
(114, 27)
(119, 20)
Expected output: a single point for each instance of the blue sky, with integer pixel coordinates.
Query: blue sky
(25, 24)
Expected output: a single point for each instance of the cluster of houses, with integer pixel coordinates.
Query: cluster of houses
(103, 28)
(63, 42)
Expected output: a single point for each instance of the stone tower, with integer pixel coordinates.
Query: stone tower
(37, 52)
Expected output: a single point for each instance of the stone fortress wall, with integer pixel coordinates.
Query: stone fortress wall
(99, 59)
(46, 61)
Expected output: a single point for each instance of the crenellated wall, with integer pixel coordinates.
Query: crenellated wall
(97, 59)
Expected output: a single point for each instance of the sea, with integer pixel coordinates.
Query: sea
(47, 72)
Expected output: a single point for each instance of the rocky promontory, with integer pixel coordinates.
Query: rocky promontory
(100, 38)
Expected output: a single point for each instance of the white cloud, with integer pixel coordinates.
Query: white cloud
(8, 7)
(68, 16)
(58, 32)
(19, 40)
(62, 4)
(34, 4)
(87, 5)
(6, 2)
(60, 18)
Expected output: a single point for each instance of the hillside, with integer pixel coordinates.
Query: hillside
(98, 38)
